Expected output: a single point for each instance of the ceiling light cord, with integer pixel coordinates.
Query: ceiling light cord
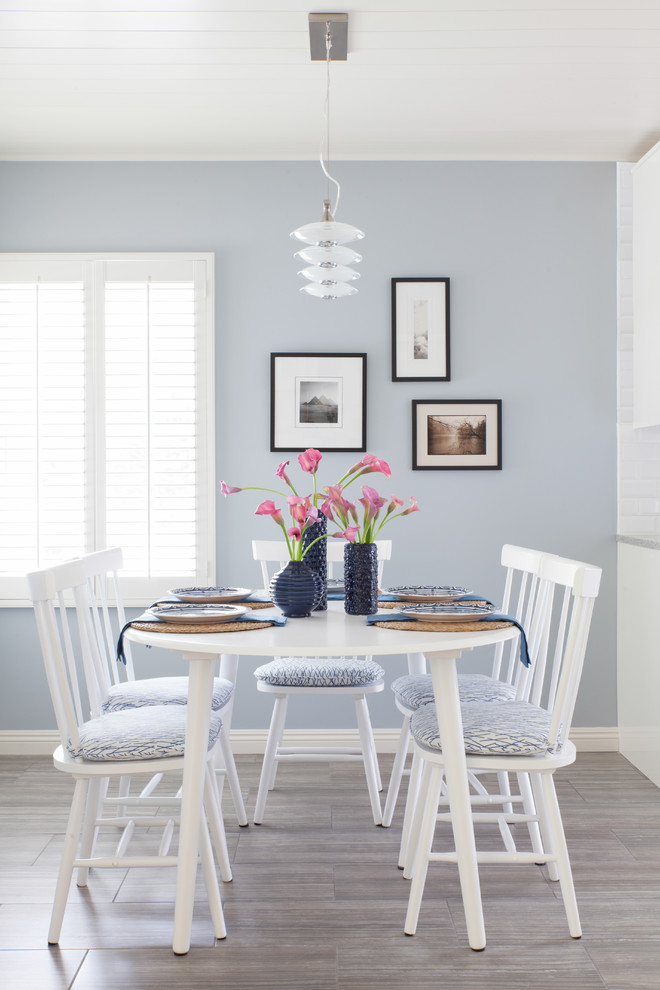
(326, 112)
(328, 270)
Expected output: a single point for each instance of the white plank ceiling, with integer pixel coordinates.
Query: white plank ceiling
(448, 79)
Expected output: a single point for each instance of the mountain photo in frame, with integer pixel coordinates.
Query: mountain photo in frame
(318, 400)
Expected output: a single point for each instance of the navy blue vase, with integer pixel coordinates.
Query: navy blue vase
(317, 558)
(295, 589)
(360, 578)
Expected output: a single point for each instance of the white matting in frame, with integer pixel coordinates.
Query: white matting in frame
(318, 400)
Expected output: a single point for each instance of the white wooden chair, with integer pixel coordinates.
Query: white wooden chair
(114, 685)
(283, 677)
(97, 747)
(506, 680)
(524, 737)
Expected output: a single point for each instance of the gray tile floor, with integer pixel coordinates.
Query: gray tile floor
(318, 904)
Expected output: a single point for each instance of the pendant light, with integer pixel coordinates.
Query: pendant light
(328, 261)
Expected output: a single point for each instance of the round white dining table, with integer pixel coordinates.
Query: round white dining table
(330, 633)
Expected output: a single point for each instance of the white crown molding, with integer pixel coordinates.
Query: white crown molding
(34, 742)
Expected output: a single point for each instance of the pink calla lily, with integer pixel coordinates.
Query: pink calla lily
(228, 489)
(326, 509)
(395, 503)
(282, 475)
(309, 460)
(334, 492)
(350, 534)
(266, 508)
(413, 507)
(371, 463)
(298, 512)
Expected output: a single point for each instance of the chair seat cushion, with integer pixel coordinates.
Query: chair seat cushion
(320, 672)
(512, 728)
(161, 691)
(415, 690)
(154, 732)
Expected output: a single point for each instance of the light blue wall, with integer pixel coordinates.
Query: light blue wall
(531, 252)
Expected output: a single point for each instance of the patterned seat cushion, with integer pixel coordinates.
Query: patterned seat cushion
(512, 728)
(320, 672)
(161, 691)
(480, 687)
(415, 690)
(150, 733)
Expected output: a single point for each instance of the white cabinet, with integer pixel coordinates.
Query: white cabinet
(638, 674)
(646, 289)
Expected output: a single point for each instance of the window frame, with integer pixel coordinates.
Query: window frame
(137, 591)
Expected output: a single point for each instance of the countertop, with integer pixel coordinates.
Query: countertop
(651, 543)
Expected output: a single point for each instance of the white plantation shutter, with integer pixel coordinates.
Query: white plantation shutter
(106, 416)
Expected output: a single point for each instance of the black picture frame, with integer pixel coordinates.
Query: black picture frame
(301, 383)
(420, 329)
(457, 434)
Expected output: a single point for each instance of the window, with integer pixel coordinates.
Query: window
(106, 416)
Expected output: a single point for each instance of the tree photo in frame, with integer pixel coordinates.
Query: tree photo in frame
(420, 329)
(457, 434)
(318, 400)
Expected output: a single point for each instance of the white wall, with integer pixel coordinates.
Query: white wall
(639, 449)
(530, 249)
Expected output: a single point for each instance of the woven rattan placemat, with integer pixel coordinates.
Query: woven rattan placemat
(202, 627)
(420, 626)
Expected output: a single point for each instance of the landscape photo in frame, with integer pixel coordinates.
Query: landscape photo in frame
(457, 434)
(319, 401)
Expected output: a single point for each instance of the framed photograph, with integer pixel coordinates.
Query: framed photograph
(457, 434)
(420, 329)
(318, 400)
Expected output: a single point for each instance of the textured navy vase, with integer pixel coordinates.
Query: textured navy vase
(360, 578)
(295, 589)
(317, 558)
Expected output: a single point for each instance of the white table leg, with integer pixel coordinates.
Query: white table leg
(229, 671)
(450, 723)
(200, 691)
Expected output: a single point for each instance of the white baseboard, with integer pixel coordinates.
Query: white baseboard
(31, 742)
(43, 742)
(596, 740)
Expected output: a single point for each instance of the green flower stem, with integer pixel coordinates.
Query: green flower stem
(286, 537)
(387, 519)
(324, 537)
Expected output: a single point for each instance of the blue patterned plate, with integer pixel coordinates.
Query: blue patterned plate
(198, 613)
(428, 592)
(205, 596)
(453, 612)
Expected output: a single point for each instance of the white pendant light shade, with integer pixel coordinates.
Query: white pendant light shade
(327, 233)
(340, 273)
(329, 290)
(326, 254)
(328, 257)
